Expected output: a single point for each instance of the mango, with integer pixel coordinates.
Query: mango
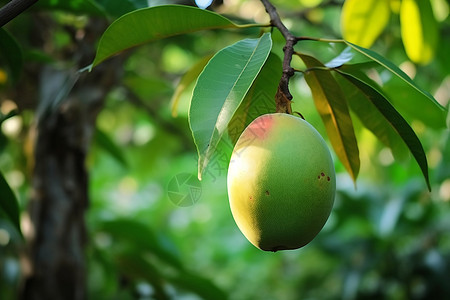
(281, 182)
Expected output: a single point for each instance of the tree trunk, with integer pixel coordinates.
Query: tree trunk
(60, 198)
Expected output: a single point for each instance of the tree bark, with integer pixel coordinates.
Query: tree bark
(60, 198)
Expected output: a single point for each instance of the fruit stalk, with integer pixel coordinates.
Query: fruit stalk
(284, 96)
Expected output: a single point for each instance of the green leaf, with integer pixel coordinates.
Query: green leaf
(395, 119)
(142, 237)
(188, 78)
(11, 55)
(220, 89)
(155, 23)
(363, 21)
(409, 102)
(370, 117)
(419, 30)
(332, 107)
(105, 142)
(395, 70)
(259, 100)
(8, 204)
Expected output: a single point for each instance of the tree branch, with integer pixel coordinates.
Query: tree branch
(283, 97)
(14, 8)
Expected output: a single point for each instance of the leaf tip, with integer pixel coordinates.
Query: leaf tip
(427, 180)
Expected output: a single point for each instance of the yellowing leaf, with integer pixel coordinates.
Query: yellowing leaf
(419, 30)
(363, 21)
(331, 104)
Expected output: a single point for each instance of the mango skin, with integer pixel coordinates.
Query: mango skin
(281, 182)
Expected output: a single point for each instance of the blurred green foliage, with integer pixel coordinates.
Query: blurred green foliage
(386, 239)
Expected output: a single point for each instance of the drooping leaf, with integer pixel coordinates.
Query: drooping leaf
(370, 117)
(395, 119)
(154, 23)
(363, 21)
(259, 100)
(395, 70)
(188, 78)
(8, 204)
(220, 89)
(409, 102)
(332, 106)
(419, 30)
(11, 55)
(105, 142)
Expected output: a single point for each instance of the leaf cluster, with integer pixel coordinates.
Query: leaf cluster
(232, 85)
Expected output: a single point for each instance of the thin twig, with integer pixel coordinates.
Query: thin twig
(283, 96)
(14, 8)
